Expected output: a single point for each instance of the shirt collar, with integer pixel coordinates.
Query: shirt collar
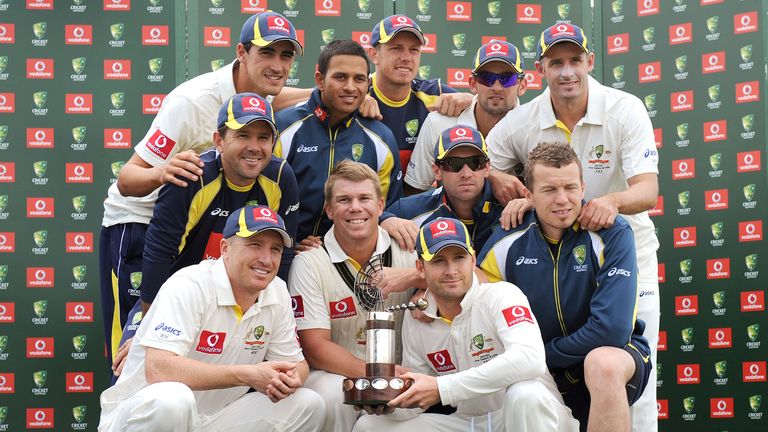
(226, 81)
(337, 254)
(595, 106)
(467, 116)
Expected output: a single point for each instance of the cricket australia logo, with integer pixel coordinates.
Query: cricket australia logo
(580, 255)
(599, 159)
(357, 152)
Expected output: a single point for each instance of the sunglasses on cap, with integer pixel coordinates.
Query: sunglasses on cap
(455, 164)
(488, 79)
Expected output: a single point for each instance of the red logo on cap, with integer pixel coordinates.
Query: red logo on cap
(327, 7)
(459, 77)
(117, 5)
(458, 11)
(687, 305)
(7, 33)
(688, 373)
(658, 209)
(715, 131)
(647, 7)
(681, 101)
(117, 69)
(460, 134)
(618, 43)
(716, 199)
(516, 315)
(39, 347)
(40, 4)
(160, 144)
(442, 228)
(7, 172)
(362, 38)
(150, 103)
(216, 36)
(748, 92)
(79, 382)
(39, 68)
(264, 214)
(649, 72)
(497, 49)
(117, 138)
(753, 371)
(713, 62)
(79, 172)
(251, 104)
(529, 14)
(7, 244)
(78, 34)
(748, 161)
(40, 418)
(685, 236)
(751, 231)
(533, 79)
(7, 102)
(720, 338)
(40, 207)
(721, 407)
(680, 33)
(210, 342)
(79, 242)
(297, 304)
(662, 408)
(343, 308)
(79, 103)
(399, 21)
(683, 169)
(753, 301)
(39, 137)
(40, 277)
(662, 344)
(441, 361)
(563, 30)
(253, 6)
(430, 43)
(278, 24)
(154, 35)
(79, 312)
(745, 22)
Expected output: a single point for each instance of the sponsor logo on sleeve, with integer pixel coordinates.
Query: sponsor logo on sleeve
(297, 304)
(516, 315)
(160, 144)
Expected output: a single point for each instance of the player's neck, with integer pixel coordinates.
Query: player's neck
(448, 308)
(485, 120)
(570, 111)
(360, 251)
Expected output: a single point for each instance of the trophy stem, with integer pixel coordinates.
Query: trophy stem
(379, 369)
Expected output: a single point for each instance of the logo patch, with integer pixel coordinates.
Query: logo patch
(210, 342)
(297, 304)
(160, 144)
(441, 361)
(343, 308)
(516, 315)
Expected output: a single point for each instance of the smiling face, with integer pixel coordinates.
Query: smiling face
(245, 152)
(354, 207)
(565, 67)
(397, 61)
(449, 273)
(344, 85)
(556, 195)
(263, 70)
(252, 262)
(497, 100)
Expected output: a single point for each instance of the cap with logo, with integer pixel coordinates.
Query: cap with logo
(245, 108)
(387, 28)
(250, 220)
(267, 28)
(497, 50)
(561, 33)
(459, 136)
(441, 233)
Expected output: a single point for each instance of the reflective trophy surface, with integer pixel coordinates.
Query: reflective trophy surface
(379, 385)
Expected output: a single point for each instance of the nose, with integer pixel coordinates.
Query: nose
(465, 171)
(497, 85)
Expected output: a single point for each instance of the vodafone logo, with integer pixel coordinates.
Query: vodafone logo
(517, 315)
(745, 22)
(715, 131)
(662, 344)
(751, 231)
(79, 172)
(533, 80)
(40, 4)
(79, 242)
(683, 169)
(362, 38)
(441, 361)
(753, 301)
(721, 408)
(117, 69)
(753, 371)
(7, 383)
(39, 68)
(7, 33)
(343, 308)
(458, 11)
(79, 103)
(117, 5)
(681, 101)
(40, 347)
(211, 342)
(297, 304)
(154, 35)
(459, 77)
(253, 6)
(688, 373)
(216, 36)
(7, 310)
(78, 34)
(7, 244)
(680, 33)
(528, 14)
(160, 144)
(685, 236)
(327, 8)
(430, 43)
(658, 209)
(662, 408)
(253, 104)
(748, 161)
(662, 272)
(40, 207)
(618, 44)
(39, 418)
(649, 72)
(39, 137)
(151, 103)
(716, 199)
(40, 277)
(79, 382)
(7, 172)
(647, 7)
(720, 338)
(687, 305)
(79, 312)
(7, 102)
(713, 62)
(748, 92)
(117, 138)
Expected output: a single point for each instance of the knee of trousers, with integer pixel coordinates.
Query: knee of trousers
(173, 403)
(311, 404)
(528, 397)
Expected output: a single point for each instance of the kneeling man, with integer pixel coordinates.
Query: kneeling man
(214, 330)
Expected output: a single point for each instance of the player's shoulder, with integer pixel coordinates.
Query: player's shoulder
(377, 127)
(286, 118)
(432, 86)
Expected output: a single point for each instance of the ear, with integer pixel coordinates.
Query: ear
(539, 67)
(380, 205)
(218, 141)
(319, 80)
(583, 189)
(240, 52)
(472, 84)
(224, 245)
(529, 196)
(522, 85)
(590, 62)
(420, 268)
(373, 54)
(438, 172)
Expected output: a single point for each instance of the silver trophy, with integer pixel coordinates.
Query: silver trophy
(380, 385)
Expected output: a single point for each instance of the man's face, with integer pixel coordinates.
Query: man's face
(245, 152)
(252, 262)
(565, 67)
(497, 100)
(354, 209)
(556, 195)
(466, 184)
(397, 61)
(266, 68)
(345, 84)
(449, 274)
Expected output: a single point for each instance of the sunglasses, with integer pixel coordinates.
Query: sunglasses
(455, 164)
(488, 79)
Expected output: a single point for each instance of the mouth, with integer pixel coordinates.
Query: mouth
(252, 160)
(273, 77)
(356, 221)
(348, 98)
(561, 212)
(260, 271)
(404, 69)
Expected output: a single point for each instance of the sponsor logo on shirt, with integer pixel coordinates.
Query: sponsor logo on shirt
(516, 315)
(297, 304)
(210, 342)
(160, 144)
(441, 361)
(343, 308)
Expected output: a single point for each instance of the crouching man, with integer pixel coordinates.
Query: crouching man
(482, 353)
(215, 330)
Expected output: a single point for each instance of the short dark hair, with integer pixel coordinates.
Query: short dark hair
(341, 47)
(550, 154)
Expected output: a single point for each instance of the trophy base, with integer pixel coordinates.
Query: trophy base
(373, 390)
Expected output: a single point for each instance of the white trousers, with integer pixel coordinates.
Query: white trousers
(644, 412)
(338, 417)
(171, 407)
(528, 407)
